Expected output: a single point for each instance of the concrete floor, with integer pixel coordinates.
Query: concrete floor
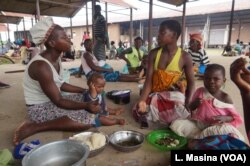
(13, 112)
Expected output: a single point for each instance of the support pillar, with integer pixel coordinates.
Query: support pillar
(71, 30)
(231, 24)
(131, 26)
(150, 25)
(183, 24)
(87, 18)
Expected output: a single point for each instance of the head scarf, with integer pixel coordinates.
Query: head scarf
(42, 30)
(196, 36)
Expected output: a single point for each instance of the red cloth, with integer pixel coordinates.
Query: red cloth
(196, 36)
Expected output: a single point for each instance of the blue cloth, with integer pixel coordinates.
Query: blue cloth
(218, 142)
(74, 70)
(109, 77)
(23, 148)
(202, 69)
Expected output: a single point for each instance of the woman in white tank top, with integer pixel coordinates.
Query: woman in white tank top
(47, 108)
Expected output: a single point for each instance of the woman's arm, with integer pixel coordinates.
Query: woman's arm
(91, 64)
(123, 53)
(189, 73)
(41, 72)
(148, 83)
(71, 88)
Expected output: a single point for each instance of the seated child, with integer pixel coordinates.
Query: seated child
(91, 65)
(211, 106)
(96, 84)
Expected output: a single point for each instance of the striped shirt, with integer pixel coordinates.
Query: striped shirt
(199, 57)
(99, 26)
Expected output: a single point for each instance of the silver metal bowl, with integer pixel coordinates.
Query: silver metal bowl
(59, 153)
(99, 150)
(127, 140)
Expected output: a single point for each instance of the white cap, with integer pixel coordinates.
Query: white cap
(42, 30)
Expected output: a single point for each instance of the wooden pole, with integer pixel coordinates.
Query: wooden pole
(87, 18)
(131, 26)
(150, 25)
(239, 30)
(8, 28)
(71, 29)
(183, 24)
(93, 14)
(24, 31)
(37, 10)
(17, 36)
(231, 24)
(32, 23)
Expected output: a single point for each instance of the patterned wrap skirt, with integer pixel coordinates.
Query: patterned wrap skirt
(49, 111)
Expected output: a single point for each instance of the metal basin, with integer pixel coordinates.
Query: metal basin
(126, 141)
(59, 153)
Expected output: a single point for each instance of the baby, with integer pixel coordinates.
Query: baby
(96, 84)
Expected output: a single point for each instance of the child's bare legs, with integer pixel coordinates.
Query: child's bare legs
(115, 111)
(109, 122)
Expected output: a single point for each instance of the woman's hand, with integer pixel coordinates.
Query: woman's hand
(142, 106)
(240, 75)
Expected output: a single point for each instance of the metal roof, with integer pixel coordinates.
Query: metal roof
(173, 2)
(60, 8)
(10, 19)
(119, 3)
(176, 2)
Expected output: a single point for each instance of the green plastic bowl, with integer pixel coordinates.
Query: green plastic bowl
(159, 134)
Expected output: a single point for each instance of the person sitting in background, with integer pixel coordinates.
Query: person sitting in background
(120, 49)
(24, 53)
(241, 77)
(33, 50)
(228, 51)
(4, 85)
(85, 36)
(112, 50)
(133, 56)
(91, 65)
(199, 56)
(238, 47)
(247, 50)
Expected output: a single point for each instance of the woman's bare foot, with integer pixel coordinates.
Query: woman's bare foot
(115, 111)
(25, 130)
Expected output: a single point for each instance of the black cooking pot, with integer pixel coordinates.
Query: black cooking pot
(119, 96)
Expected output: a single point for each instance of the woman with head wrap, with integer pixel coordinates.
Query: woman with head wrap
(195, 49)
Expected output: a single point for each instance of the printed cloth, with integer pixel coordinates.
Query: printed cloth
(218, 142)
(49, 111)
(163, 107)
(211, 107)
